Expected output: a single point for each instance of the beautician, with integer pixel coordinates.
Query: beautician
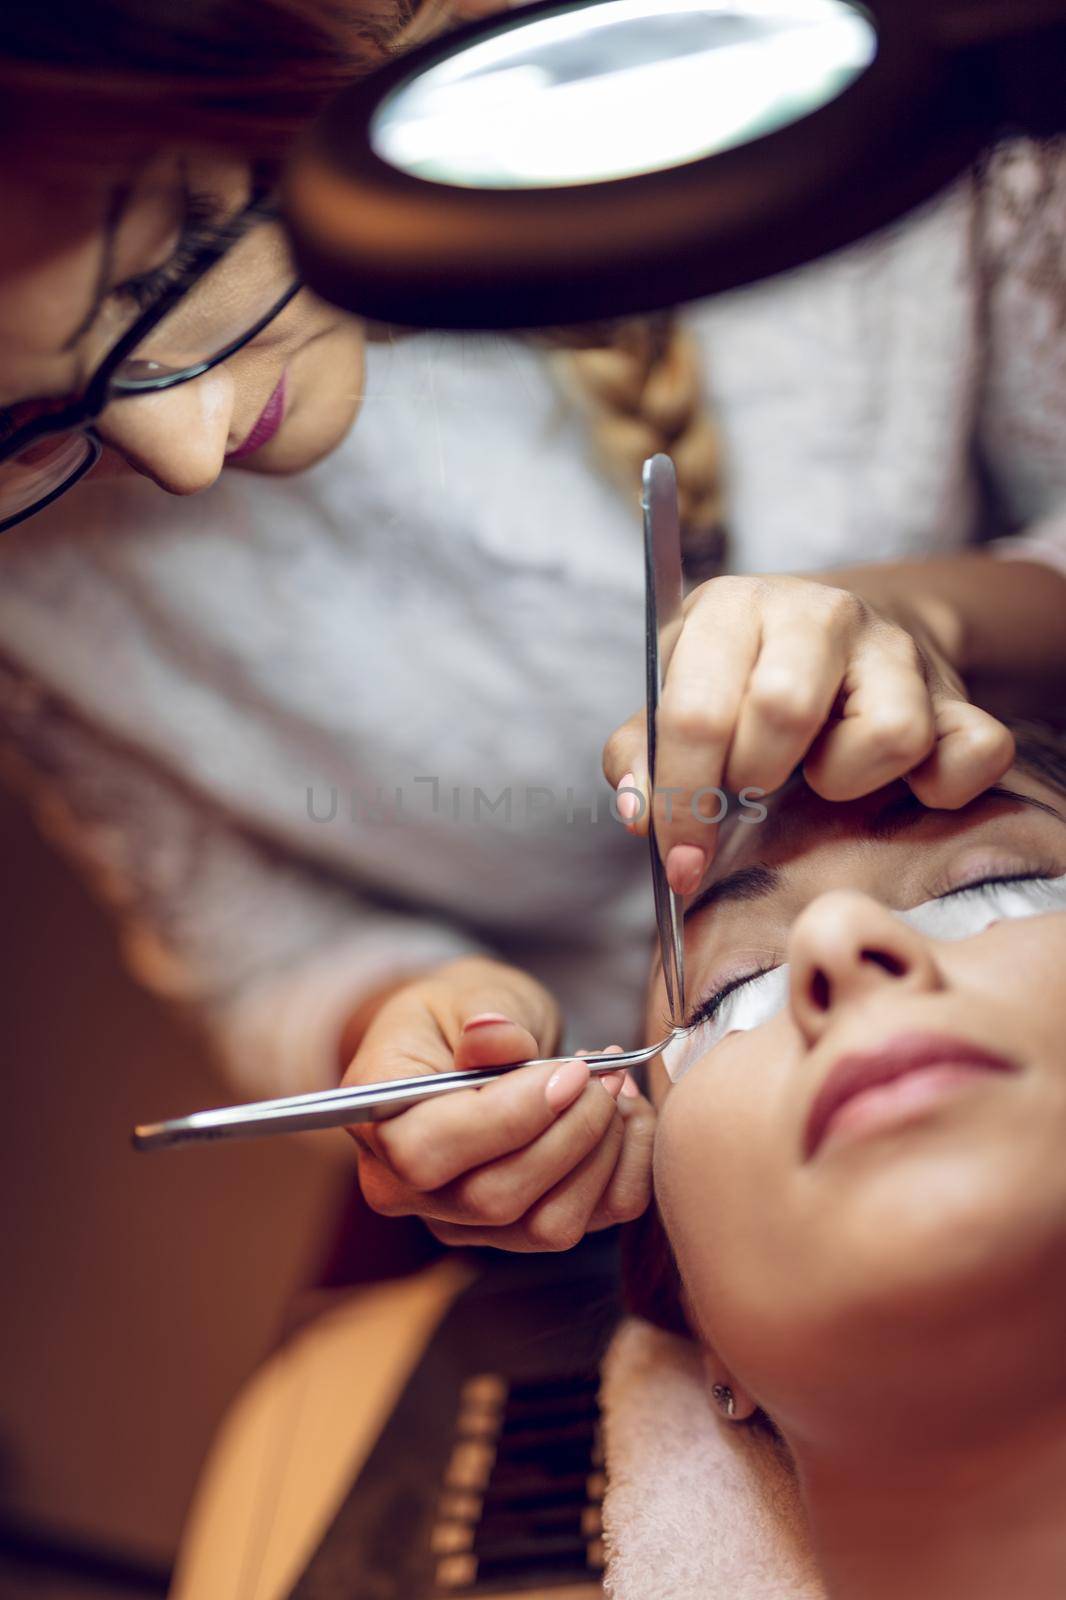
(155, 686)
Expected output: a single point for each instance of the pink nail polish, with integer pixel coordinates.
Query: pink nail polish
(628, 803)
(612, 1082)
(484, 1019)
(565, 1084)
(685, 866)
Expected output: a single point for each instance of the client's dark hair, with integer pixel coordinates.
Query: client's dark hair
(651, 1283)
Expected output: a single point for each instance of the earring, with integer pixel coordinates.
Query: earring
(723, 1399)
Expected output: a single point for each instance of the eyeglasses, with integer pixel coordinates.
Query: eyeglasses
(228, 293)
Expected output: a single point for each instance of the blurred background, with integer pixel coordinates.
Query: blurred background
(137, 1291)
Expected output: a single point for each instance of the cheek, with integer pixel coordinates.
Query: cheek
(722, 1165)
(1017, 969)
(325, 388)
(42, 298)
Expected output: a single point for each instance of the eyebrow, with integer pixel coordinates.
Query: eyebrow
(746, 883)
(907, 811)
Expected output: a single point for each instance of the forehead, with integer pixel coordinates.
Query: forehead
(798, 822)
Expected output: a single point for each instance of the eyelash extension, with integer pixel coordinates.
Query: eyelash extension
(708, 1008)
(200, 228)
(984, 886)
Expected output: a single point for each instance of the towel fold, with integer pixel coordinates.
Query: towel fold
(695, 1509)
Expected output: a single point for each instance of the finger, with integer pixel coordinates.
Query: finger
(625, 766)
(886, 726)
(792, 690)
(701, 698)
(402, 1041)
(613, 1082)
(628, 1191)
(432, 1143)
(559, 1219)
(455, 1023)
(972, 751)
(460, 1237)
(502, 1191)
(465, 1005)
(491, 1040)
(514, 1238)
(396, 1175)
(380, 1187)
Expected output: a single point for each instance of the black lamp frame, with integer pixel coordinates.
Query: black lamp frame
(947, 77)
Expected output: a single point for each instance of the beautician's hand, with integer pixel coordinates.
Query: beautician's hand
(532, 1162)
(769, 672)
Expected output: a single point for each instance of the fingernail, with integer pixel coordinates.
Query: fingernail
(565, 1084)
(629, 1089)
(628, 803)
(685, 867)
(612, 1082)
(484, 1019)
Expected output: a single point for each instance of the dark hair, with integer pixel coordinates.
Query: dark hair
(1041, 750)
(651, 1283)
(85, 81)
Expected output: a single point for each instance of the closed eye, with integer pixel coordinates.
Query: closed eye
(201, 230)
(744, 1003)
(707, 1009)
(983, 888)
(986, 887)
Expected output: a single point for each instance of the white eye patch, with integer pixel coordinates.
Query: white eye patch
(747, 1006)
(960, 915)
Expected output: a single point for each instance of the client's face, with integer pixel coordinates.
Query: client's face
(866, 1190)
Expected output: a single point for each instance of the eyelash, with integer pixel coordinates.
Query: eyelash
(706, 1009)
(198, 231)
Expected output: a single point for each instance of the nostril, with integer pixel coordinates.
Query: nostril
(885, 960)
(819, 990)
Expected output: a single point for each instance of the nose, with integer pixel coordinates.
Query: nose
(846, 948)
(177, 437)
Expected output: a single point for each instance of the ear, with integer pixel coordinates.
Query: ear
(721, 1384)
(718, 1375)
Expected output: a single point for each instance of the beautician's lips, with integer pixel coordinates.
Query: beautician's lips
(270, 419)
(944, 1060)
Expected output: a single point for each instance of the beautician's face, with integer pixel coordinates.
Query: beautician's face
(71, 281)
(905, 1251)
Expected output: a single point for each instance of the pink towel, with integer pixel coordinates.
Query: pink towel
(695, 1509)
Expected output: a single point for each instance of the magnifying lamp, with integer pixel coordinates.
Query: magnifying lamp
(568, 162)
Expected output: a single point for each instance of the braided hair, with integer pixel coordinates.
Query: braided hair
(640, 391)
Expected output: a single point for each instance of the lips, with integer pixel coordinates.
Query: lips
(943, 1062)
(270, 420)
